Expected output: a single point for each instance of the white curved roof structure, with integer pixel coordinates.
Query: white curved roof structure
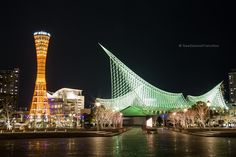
(214, 97)
(130, 90)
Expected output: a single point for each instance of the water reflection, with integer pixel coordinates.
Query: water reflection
(151, 143)
(129, 144)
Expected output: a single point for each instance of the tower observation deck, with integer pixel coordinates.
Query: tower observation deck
(40, 106)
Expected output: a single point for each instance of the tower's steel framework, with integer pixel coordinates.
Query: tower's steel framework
(40, 106)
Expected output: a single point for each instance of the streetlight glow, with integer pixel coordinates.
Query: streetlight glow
(208, 103)
(98, 104)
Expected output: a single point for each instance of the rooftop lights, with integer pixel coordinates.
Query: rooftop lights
(42, 33)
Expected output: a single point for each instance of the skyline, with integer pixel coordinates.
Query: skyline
(129, 30)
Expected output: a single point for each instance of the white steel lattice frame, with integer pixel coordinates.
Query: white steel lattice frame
(129, 89)
(214, 97)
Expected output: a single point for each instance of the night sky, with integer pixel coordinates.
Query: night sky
(149, 37)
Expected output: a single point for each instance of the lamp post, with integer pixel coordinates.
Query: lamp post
(174, 117)
(121, 120)
(185, 110)
(77, 120)
(234, 105)
(208, 105)
(97, 104)
(163, 119)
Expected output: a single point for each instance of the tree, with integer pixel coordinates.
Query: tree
(117, 119)
(201, 110)
(7, 111)
(99, 112)
(190, 117)
(173, 118)
(106, 117)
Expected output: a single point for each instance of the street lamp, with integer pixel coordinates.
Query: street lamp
(185, 110)
(121, 120)
(174, 117)
(97, 104)
(208, 105)
(234, 105)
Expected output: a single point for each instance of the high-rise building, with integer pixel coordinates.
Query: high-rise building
(40, 107)
(9, 88)
(232, 86)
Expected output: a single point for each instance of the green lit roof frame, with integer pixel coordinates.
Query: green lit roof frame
(129, 89)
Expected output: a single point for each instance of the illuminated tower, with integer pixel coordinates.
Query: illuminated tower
(40, 106)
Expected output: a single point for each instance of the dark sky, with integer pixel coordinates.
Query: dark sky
(145, 35)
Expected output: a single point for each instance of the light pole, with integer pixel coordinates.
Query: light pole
(174, 118)
(234, 105)
(185, 110)
(121, 120)
(208, 105)
(97, 104)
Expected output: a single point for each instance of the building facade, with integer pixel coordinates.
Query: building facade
(66, 102)
(9, 88)
(232, 86)
(65, 107)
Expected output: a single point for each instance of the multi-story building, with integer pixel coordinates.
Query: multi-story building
(65, 107)
(66, 102)
(9, 88)
(232, 86)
